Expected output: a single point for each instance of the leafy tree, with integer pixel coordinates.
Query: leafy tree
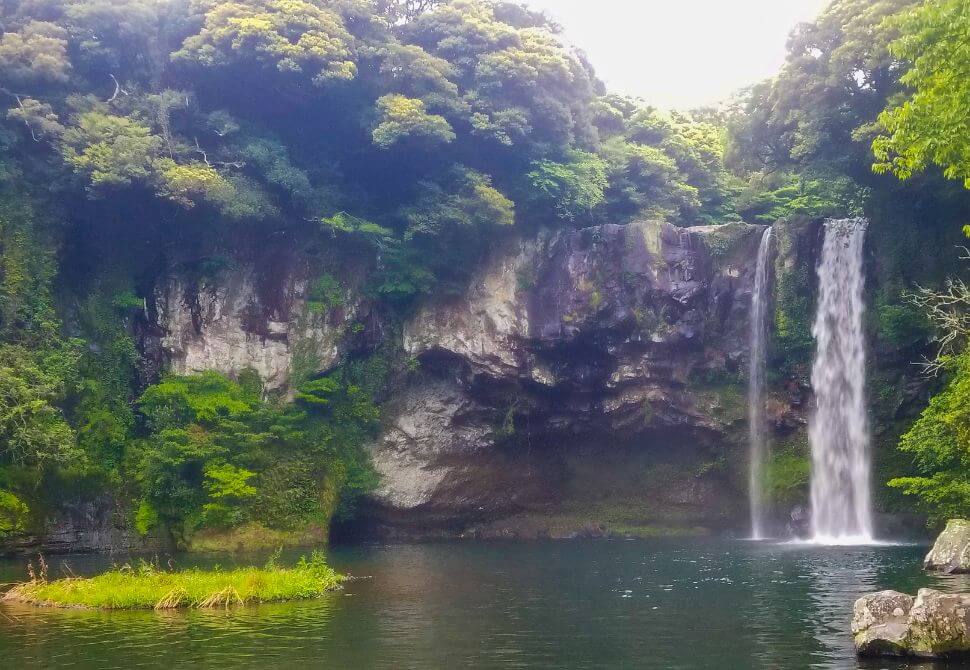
(38, 117)
(571, 189)
(112, 150)
(294, 36)
(931, 126)
(770, 197)
(13, 514)
(217, 453)
(938, 442)
(837, 77)
(32, 429)
(37, 53)
(401, 118)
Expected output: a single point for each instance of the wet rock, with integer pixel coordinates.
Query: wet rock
(598, 336)
(880, 623)
(939, 625)
(932, 625)
(951, 551)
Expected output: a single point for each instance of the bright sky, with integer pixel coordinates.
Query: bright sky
(681, 53)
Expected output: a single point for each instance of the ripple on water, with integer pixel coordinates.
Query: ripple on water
(683, 604)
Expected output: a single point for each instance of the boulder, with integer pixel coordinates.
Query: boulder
(931, 625)
(880, 623)
(951, 551)
(939, 625)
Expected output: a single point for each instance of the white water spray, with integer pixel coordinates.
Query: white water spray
(757, 430)
(839, 429)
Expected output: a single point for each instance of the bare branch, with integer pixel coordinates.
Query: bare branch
(26, 122)
(118, 89)
(949, 312)
(200, 150)
(205, 158)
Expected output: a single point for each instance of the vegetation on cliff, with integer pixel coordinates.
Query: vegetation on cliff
(872, 91)
(145, 139)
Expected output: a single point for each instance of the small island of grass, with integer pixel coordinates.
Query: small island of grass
(146, 586)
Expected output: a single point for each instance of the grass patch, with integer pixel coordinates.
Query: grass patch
(145, 586)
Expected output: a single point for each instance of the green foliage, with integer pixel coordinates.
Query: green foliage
(900, 323)
(325, 294)
(467, 201)
(838, 75)
(217, 455)
(770, 197)
(112, 150)
(38, 117)
(792, 344)
(939, 442)
(293, 36)
(37, 52)
(786, 478)
(930, 126)
(401, 118)
(726, 240)
(13, 514)
(32, 429)
(571, 189)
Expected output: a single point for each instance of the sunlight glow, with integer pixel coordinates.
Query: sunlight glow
(681, 53)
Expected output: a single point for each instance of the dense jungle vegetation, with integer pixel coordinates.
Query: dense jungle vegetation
(142, 136)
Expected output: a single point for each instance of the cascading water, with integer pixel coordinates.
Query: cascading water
(839, 430)
(757, 430)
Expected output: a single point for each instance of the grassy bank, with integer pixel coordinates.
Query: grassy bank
(147, 587)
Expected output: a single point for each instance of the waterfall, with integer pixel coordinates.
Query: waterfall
(757, 430)
(839, 430)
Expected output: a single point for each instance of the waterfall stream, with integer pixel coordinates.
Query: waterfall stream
(839, 429)
(757, 430)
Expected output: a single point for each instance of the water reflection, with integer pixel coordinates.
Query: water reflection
(684, 604)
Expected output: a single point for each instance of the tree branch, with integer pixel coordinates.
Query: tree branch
(118, 89)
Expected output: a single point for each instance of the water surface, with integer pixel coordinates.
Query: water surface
(577, 604)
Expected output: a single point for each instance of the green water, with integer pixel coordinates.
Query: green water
(581, 604)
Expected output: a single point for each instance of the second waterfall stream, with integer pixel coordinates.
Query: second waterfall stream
(839, 428)
(757, 430)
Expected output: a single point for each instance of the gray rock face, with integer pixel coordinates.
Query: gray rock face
(951, 551)
(931, 625)
(235, 322)
(98, 525)
(589, 339)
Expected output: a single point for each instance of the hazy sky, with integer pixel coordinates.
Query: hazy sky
(681, 53)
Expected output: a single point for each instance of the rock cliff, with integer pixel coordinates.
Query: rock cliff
(587, 381)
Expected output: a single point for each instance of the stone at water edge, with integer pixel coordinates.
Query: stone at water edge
(951, 551)
(880, 623)
(939, 624)
(932, 625)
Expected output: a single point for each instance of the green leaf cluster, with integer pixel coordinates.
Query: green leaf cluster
(939, 443)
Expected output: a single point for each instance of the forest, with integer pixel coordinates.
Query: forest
(408, 139)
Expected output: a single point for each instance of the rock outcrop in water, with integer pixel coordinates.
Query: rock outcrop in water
(614, 352)
(951, 551)
(931, 625)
